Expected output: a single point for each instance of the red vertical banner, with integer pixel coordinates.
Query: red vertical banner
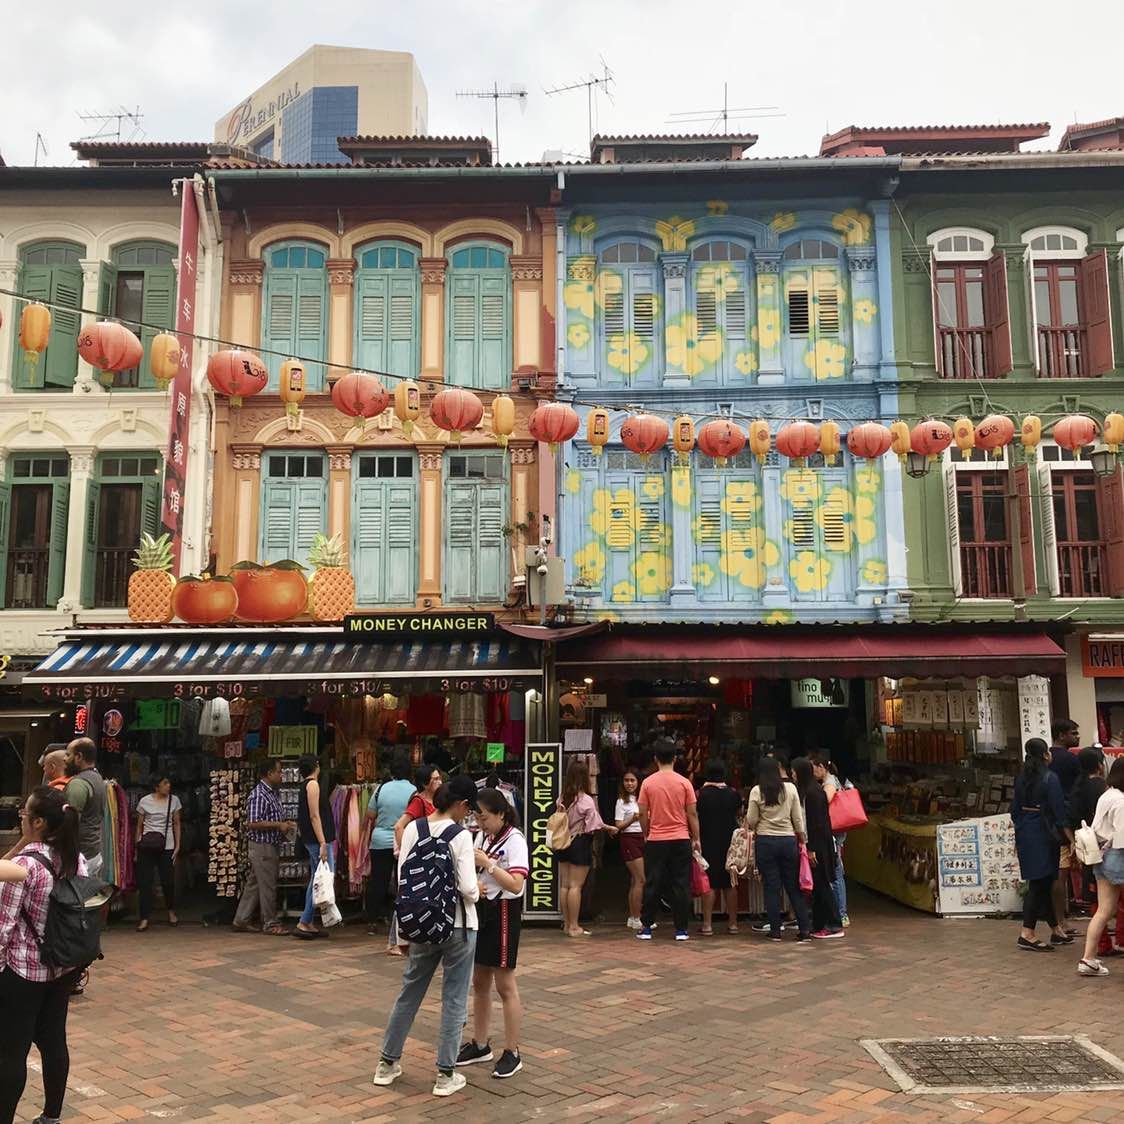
(175, 460)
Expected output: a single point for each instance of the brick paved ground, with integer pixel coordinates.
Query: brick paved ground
(205, 1024)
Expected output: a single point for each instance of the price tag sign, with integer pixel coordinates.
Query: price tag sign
(495, 753)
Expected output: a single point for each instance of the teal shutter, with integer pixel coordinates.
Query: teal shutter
(158, 309)
(90, 544)
(279, 314)
(56, 564)
(370, 320)
(278, 521)
(311, 517)
(60, 364)
(312, 303)
(644, 286)
(630, 328)
(463, 322)
(620, 536)
(490, 551)
(35, 284)
(460, 541)
(107, 289)
(708, 536)
(494, 365)
(5, 522)
(382, 549)
(151, 490)
(402, 351)
(401, 557)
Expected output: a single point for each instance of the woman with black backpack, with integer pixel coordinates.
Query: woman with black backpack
(34, 997)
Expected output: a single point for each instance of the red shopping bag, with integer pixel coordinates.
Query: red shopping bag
(846, 810)
(805, 870)
(700, 881)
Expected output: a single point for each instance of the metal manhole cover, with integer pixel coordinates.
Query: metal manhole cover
(1043, 1064)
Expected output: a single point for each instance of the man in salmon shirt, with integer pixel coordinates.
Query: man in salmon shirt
(671, 836)
(54, 768)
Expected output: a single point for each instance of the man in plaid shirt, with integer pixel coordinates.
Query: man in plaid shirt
(266, 826)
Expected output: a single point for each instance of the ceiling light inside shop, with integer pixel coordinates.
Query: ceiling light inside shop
(714, 680)
(588, 681)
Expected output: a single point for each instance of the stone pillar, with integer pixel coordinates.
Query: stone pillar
(524, 498)
(580, 334)
(9, 323)
(526, 285)
(430, 463)
(776, 594)
(550, 341)
(81, 469)
(770, 317)
(341, 304)
(674, 267)
(433, 318)
(862, 262)
(682, 539)
(880, 208)
(243, 322)
(86, 378)
(242, 510)
(339, 492)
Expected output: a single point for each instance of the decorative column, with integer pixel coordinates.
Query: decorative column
(339, 492)
(776, 594)
(81, 469)
(433, 318)
(430, 458)
(581, 333)
(888, 359)
(341, 303)
(674, 267)
(862, 262)
(770, 317)
(682, 539)
(244, 310)
(526, 283)
(523, 498)
(85, 380)
(549, 341)
(9, 323)
(241, 511)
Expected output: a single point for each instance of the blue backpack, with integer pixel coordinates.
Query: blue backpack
(427, 888)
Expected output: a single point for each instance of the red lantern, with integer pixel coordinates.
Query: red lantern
(721, 439)
(360, 395)
(554, 423)
(109, 347)
(237, 374)
(995, 432)
(870, 440)
(931, 438)
(1075, 432)
(456, 410)
(798, 440)
(644, 434)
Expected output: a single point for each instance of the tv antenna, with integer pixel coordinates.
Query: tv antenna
(723, 116)
(590, 84)
(40, 143)
(516, 93)
(110, 126)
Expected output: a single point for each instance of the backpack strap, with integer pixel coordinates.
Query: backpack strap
(447, 836)
(423, 827)
(49, 866)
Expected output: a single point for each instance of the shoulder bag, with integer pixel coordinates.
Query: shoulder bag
(157, 841)
(846, 810)
(558, 836)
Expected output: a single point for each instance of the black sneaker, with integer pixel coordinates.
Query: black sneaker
(805, 938)
(508, 1065)
(471, 1053)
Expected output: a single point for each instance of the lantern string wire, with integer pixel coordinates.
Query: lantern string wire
(562, 393)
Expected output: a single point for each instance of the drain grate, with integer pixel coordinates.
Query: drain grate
(1046, 1064)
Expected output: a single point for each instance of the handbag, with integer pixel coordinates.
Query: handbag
(157, 841)
(700, 880)
(558, 836)
(806, 882)
(846, 811)
(1087, 845)
(739, 855)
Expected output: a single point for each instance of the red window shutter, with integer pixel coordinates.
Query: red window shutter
(1021, 479)
(1110, 494)
(938, 351)
(1093, 272)
(998, 315)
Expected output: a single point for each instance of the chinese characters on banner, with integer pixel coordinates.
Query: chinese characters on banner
(978, 867)
(1034, 708)
(175, 467)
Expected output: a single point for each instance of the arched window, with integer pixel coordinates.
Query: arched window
(719, 284)
(961, 244)
(387, 295)
(295, 309)
(628, 306)
(478, 314)
(816, 329)
(138, 286)
(811, 248)
(50, 271)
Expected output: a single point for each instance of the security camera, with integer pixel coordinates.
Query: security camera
(542, 569)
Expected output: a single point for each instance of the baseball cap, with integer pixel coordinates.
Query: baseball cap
(463, 788)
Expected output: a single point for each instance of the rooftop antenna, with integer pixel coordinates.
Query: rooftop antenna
(723, 116)
(590, 84)
(518, 93)
(40, 143)
(110, 126)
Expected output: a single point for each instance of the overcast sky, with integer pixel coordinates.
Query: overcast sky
(823, 63)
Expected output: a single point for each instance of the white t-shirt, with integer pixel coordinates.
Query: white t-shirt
(155, 812)
(461, 848)
(624, 809)
(510, 853)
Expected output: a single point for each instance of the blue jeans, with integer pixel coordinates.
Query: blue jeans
(456, 956)
(313, 863)
(778, 859)
(839, 886)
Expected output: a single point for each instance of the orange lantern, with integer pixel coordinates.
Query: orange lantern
(683, 437)
(798, 440)
(1113, 431)
(407, 404)
(721, 439)
(597, 429)
(994, 433)
(829, 441)
(1030, 433)
(292, 386)
(109, 347)
(1075, 432)
(869, 440)
(760, 439)
(237, 374)
(964, 434)
(359, 395)
(164, 358)
(930, 437)
(35, 330)
(900, 440)
(503, 418)
(644, 434)
(456, 410)
(554, 423)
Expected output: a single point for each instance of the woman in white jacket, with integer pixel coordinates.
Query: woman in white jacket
(1108, 823)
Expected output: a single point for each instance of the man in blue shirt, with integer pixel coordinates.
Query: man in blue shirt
(385, 809)
(1063, 753)
(266, 826)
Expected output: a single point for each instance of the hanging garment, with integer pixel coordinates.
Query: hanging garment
(425, 715)
(354, 843)
(466, 716)
(215, 719)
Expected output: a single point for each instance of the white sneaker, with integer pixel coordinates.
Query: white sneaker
(387, 1072)
(1091, 968)
(449, 1083)
(633, 922)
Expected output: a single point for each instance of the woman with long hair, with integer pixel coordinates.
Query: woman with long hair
(717, 809)
(631, 835)
(1108, 823)
(35, 998)
(574, 862)
(826, 923)
(158, 847)
(1038, 812)
(317, 830)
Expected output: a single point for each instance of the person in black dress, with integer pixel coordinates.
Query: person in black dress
(826, 923)
(318, 836)
(718, 806)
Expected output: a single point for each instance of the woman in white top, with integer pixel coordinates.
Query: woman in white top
(158, 847)
(1108, 823)
(627, 818)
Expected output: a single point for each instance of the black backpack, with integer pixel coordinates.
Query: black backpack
(426, 908)
(72, 936)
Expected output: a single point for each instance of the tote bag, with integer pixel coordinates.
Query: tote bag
(806, 882)
(846, 810)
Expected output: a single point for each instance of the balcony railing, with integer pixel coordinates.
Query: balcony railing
(985, 569)
(965, 353)
(112, 567)
(1061, 353)
(1081, 569)
(27, 579)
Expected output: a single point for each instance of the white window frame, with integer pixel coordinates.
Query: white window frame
(961, 255)
(1081, 238)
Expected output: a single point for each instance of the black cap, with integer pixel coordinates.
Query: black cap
(463, 788)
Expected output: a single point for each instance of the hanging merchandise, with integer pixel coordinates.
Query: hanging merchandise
(503, 419)
(683, 437)
(760, 439)
(407, 404)
(35, 330)
(930, 437)
(901, 441)
(1030, 433)
(164, 359)
(359, 395)
(798, 440)
(228, 789)
(237, 374)
(994, 434)
(467, 716)
(109, 347)
(644, 434)
(553, 423)
(215, 720)
(455, 411)
(1075, 432)
(964, 434)
(597, 429)
(1113, 431)
(829, 441)
(870, 440)
(720, 440)
(292, 386)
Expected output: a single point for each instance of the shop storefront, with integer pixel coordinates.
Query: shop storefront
(1102, 663)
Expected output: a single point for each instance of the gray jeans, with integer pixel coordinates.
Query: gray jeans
(456, 957)
(261, 886)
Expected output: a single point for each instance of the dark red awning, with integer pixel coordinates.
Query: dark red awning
(784, 652)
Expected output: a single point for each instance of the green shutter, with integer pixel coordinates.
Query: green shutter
(495, 364)
(382, 551)
(60, 514)
(62, 352)
(464, 320)
(107, 289)
(311, 324)
(708, 536)
(490, 543)
(35, 284)
(399, 585)
(5, 521)
(158, 301)
(460, 541)
(370, 320)
(151, 495)
(279, 315)
(277, 520)
(402, 351)
(311, 517)
(90, 542)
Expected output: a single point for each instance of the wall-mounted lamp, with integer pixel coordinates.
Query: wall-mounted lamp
(916, 465)
(1103, 461)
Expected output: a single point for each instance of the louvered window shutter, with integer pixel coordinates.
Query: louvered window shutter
(368, 542)
(150, 505)
(311, 517)
(952, 523)
(491, 550)
(620, 534)
(1021, 481)
(312, 302)
(371, 320)
(1097, 312)
(278, 520)
(35, 284)
(280, 327)
(998, 315)
(495, 366)
(651, 529)
(1110, 504)
(798, 299)
(1049, 533)
(401, 508)
(107, 291)
(5, 527)
(56, 561)
(827, 302)
(158, 309)
(833, 520)
(402, 350)
(463, 328)
(708, 535)
(735, 316)
(90, 544)
(643, 287)
(60, 364)
(460, 542)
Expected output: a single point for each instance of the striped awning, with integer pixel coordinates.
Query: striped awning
(233, 665)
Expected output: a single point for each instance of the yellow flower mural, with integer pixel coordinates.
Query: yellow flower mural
(674, 232)
(868, 480)
(798, 485)
(623, 591)
(627, 353)
(874, 572)
(702, 573)
(747, 555)
(653, 573)
(577, 334)
(853, 225)
(782, 221)
(809, 572)
(767, 330)
(583, 224)
(746, 362)
(653, 487)
(584, 296)
(608, 615)
(616, 516)
(717, 207)
(573, 481)
(681, 487)
(721, 280)
(846, 518)
(741, 500)
(590, 563)
(688, 350)
(865, 310)
(779, 616)
(827, 360)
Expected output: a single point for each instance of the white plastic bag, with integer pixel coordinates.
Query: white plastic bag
(330, 915)
(323, 886)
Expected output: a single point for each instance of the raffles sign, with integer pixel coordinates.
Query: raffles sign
(1102, 657)
(381, 626)
(543, 780)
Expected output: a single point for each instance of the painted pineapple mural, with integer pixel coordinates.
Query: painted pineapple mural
(151, 584)
(331, 591)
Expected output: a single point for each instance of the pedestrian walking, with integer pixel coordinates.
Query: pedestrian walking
(317, 831)
(828, 775)
(446, 861)
(503, 863)
(717, 806)
(670, 820)
(266, 827)
(386, 808)
(1081, 808)
(1064, 748)
(1108, 823)
(575, 860)
(626, 816)
(158, 847)
(85, 793)
(826, 923)
(775, 814)
(1038, 812)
